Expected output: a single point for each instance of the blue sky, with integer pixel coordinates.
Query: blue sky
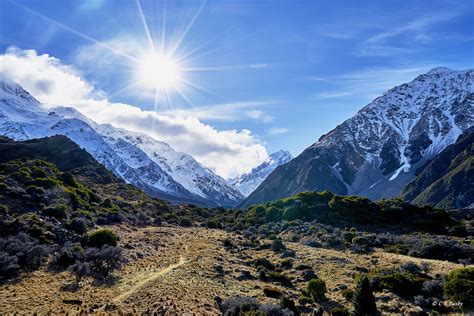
(287, 71)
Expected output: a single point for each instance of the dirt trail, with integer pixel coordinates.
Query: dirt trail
(147, 279)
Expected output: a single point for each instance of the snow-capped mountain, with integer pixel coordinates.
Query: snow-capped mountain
(249, 181)
(137, 158)
(376, 152)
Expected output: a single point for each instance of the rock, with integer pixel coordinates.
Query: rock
(244, 275)
(361, 269)
(340, 287)
(72, 301)
(309, 274)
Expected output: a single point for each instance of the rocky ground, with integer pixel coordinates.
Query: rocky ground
(188, 270)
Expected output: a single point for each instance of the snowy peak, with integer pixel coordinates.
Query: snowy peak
(10, 89)
(281, 156)
(376, 152)
(138, 159)
(248, 182)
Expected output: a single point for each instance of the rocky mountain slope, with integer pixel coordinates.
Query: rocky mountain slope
(140, 160)
(448, 180)
(248, 182)
(376, 152)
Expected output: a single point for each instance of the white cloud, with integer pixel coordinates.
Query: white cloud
(227, 152)
(225, 111)
(260, 116)
(277, 131)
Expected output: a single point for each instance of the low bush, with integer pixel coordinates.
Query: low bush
(277, 245)
(239, 305)
(69, 254)
(459, 286)
(281, 278)
(305, 300)
(316, 288)
(102, 237)
(78, 225)
(286, 264)
(58, 211)
(348, 294)
(264, 263)
(185, 222)
(9, 266)
(339, 311)
(104, 260)
(402, 283)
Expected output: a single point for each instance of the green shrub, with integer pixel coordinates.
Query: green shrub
(59, 211)
(339, 311)
(37, 172)
(286, 264)
(107, 203)
(102, 237)
(363, 298)
(316, 288)
(459, 286)
(46, 183)
(348, 294)
(278, 246)
(304, 300)
(35, 190)
(402, 283)
(69, 180)
(279, 277)
(272, 237)
(213, 224)
(265, 263)
(185, 222)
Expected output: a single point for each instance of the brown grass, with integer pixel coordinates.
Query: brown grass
(173, 270)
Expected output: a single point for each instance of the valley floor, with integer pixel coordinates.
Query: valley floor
(175, 270)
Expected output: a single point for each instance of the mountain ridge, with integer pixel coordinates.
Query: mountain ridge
(22, 117)
(376, 152)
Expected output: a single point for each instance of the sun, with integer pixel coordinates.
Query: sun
(158, 72)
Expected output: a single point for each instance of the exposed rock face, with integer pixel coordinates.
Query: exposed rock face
(376, 152)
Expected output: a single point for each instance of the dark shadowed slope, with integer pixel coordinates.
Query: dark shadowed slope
(448, 180)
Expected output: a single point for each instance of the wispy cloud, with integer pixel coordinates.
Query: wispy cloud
(390, 35)
(234, 111)
(278, 130)
(417, 26)
(369, 83)
(260, 116)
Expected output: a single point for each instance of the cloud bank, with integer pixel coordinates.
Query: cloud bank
(227, 152)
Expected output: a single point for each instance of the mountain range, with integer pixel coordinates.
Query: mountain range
(150, 165)
(377, 152)
(249, 181)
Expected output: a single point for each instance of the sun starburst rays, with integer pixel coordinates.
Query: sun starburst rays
(160, 67)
